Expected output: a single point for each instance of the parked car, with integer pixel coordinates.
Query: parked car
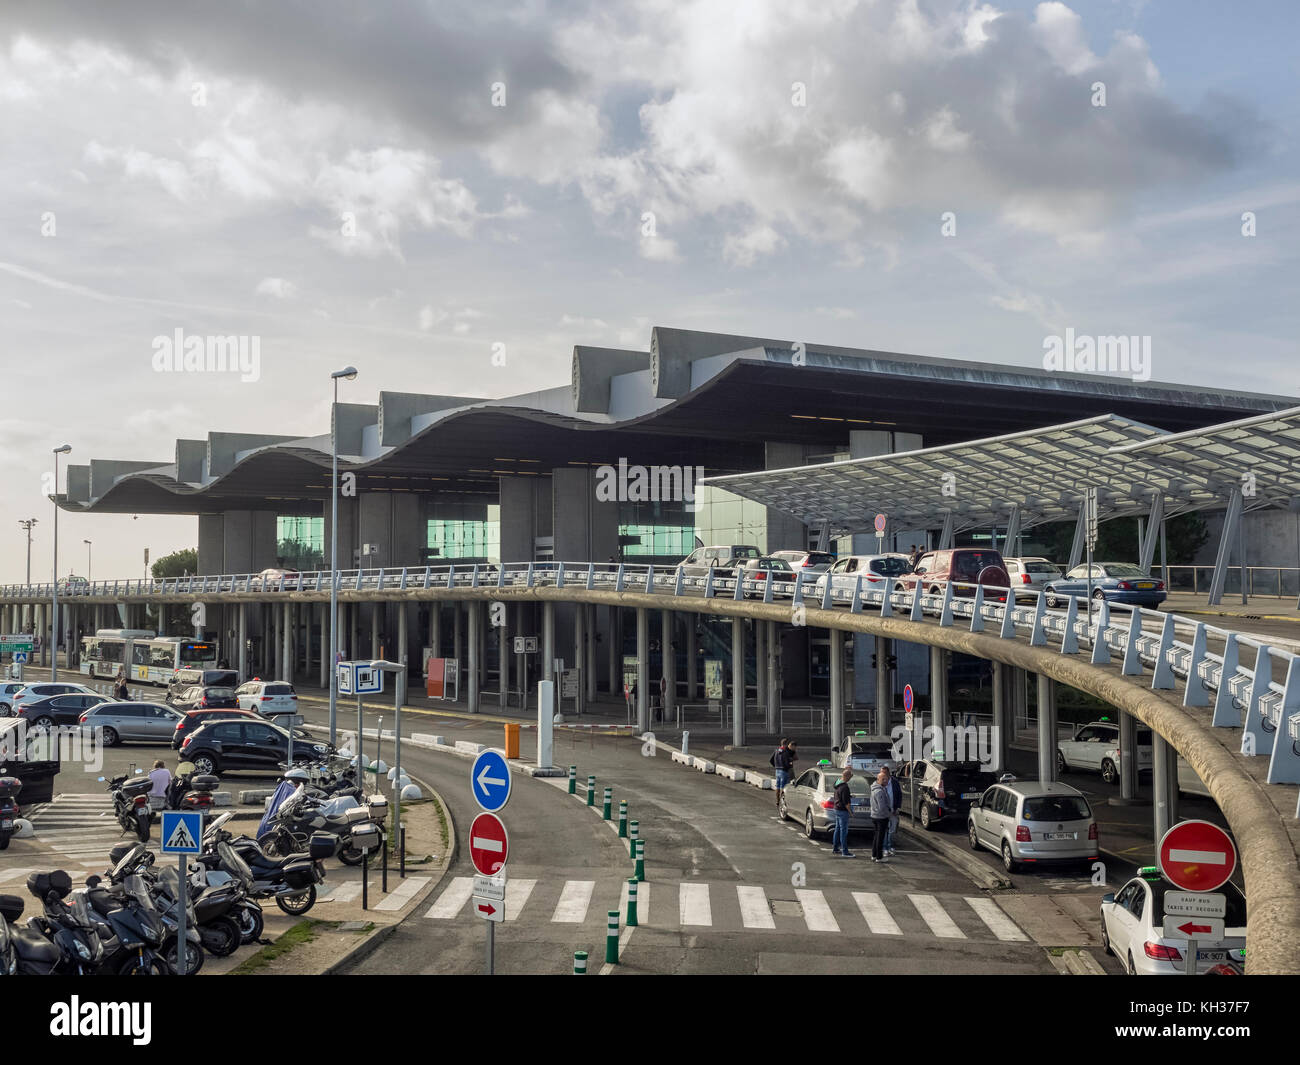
(1189, 781)
(273, 575)
(875, 570)
(270, 698)
(193, 720)
(202, 678)
(808, 561)
(30, 693)
(965, 566)
(138, 722)
(197, 698)
(1096, 746)
(227, 746)
(810, 800)
(1033, 822)
(1132, 928)
(944, 790)
(57, 709)
(74, 585)
(8, 689)
(721, 560)
(1115, 582)
(754, 573)
(865, 754)
(1029, 576)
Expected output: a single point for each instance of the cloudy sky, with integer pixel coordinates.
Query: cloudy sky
(402, 185)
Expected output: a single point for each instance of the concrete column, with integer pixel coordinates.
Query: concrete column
(241, 653)
(760, 663)
(589, 667)
(884, 693)
(354, 630)
(276, 655)
(480, 634)
(471, 698)
(1002, 713)
(838, 730)
(1046, 728)
(42, 630)
(612, 654)
(938, 687)
(435, 629)
(642, 669)
(504, 655)
(579, 654)
(1164, 784)
(1128, 770)
(325, 664)
(548, 641)
(286, 628)
(772, 666)
(670, 667)
(692, 668)
(1019, 699)
(403, 635)
(374, 630)
(738, 682)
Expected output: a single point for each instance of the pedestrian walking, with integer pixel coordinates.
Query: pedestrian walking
(896, 799)
(780, 761)
(881, 810)
(843, 807)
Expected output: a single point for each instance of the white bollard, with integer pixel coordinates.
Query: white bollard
(411, 792)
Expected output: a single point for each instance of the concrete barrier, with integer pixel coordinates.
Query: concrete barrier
(729, 771)
(685, 759)
(702, 764)
(426, 739)
(254, 795)
(758, 780)
(470, 748)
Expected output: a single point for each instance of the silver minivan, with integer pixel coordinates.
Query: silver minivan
(1031, 822)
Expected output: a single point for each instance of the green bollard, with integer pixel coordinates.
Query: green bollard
(573, 780)
(608, 805)
(591, 790)
(579, 963)
(639, 872)
(631, 842)
(622, 819)
(611, 939)
(631, 904)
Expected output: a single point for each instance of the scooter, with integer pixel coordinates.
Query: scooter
(291, 880)
(69, 926)
(9, 789)
(24, 952)
(134, 929)
(131, 804)
(190, 792)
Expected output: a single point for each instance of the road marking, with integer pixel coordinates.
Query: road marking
(343, 893)
(517, 892)
(999, 923)
(936, 917)
(450, 901)
(693, 903)
(874, 913)
(10, 874)
(1200, 857)
(642, 902)
(574, 900)
(404, 893)
(754, 910)
(816, 911)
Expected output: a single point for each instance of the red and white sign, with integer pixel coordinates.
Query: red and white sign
(1197, 856)
(880, 523)
(489, 909)
(488, 845)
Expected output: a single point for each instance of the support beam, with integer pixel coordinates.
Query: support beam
(1164, 784)
(838, 727)
(548, 640)
(472, 638)
(504, 655)
(286, 636)
(1227, 537)
(945, 535)
(642, 669)
(1046, 728)
(692, 667)
(1155, 527)
(1080, 537)
(668, 640)
(1128, 767)
(884, 690)
(325, 664)
(772, 645)
(1013, 529)
(589, 668)
(738, 682)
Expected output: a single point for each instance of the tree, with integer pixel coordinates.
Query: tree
(177, 564)
(1117, 540)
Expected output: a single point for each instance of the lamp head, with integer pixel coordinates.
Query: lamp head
(348, 373)
(63, 450)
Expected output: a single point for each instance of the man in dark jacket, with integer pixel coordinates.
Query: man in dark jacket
(896, 798)
(843, 807)
(781, 763)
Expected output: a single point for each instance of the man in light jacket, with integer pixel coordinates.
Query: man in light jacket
(882, 808)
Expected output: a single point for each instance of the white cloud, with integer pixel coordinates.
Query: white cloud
(277, 287)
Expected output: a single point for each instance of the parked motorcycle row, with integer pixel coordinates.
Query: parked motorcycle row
(126, 922)
(131, 807)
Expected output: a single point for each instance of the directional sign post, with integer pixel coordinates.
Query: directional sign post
(1192, 929)
(489, 847)
(182, 835)
(1200, 857)
(880, 532)
(489, 779)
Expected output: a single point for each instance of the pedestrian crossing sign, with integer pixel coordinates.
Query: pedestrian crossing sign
(182, 832)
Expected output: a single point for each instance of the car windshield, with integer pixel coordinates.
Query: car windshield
(744, 552)
(889, 567)
(278, 689)
(964, 770)
(1042, 567)
(879, 751)
(219, 693)
(1057, 808)
(966, 565)
(1125, 569)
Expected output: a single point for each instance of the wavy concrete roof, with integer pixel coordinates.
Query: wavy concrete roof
(696, 398)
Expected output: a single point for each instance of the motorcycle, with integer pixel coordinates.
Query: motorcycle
(9, 789)
(164, 902)
(300, 817)
(291, 880)
(133, 929)
(189, 792)
(23, 952)
(131, 804)
(70, 927)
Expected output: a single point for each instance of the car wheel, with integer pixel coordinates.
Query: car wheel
(782, 808)
(1105, 938)
(1052, 601)
(1108, 771)
(43, 722)
(1132, 969)
(1061, 766)
(809, 829)
(204, 764)
(1008, 862)
(927, 818)
(935, 590)
(973, 836)
(1099, 595)
(111, 737)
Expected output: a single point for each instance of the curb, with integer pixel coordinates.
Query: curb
(959, 859)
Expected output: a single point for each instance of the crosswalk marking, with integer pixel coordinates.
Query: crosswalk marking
(642, 902)
(403, 893)
(450, 901)
(340, 893)
(816, 911)
(998, 922)
(875, 914)
(754, 910)
(936, 917)
(574, 900)
(517, 892)
(693, 905)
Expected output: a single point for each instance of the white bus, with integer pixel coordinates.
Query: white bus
(145, 657)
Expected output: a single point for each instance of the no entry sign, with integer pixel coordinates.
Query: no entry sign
(1197, 856)
(488, 845)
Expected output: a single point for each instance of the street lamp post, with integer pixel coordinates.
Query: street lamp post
(87, 543)
(27, 524)
(350, 373)
(54, 611)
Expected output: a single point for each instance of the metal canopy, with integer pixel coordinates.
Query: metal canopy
(1041, 472)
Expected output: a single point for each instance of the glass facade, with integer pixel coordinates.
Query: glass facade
(726, 518)
(655, 531)
(300, 541)
(464, 532)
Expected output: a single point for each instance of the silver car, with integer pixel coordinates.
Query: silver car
(876, 572)
(1029, 576)
(865, 755)
(1031, 822)
(808, 561)
(811, 800)
(137, 722)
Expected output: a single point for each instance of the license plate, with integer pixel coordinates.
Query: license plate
(1058, 835)
(1211, 955)
(7, 825)
(970, 794)
(1145, 584)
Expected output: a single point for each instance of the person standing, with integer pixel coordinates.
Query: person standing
(781, 763)
(896, 801)
(881, 810)
(161, 781)
(843, 807)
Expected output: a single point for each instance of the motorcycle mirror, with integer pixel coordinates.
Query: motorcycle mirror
(92, 881)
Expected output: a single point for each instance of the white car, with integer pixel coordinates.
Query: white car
(1132, 928)
(877, 572)
(865, 754)
(42, 690)
(270, 698)
(1095, 746)
(1030, 575)
(8, 689)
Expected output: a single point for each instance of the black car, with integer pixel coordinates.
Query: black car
(58, 709)
(944, 790)
(226, 746)
(198, 698)
(193, 720)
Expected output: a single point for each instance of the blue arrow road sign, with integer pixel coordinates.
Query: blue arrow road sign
(182, 832)
(489, 780)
